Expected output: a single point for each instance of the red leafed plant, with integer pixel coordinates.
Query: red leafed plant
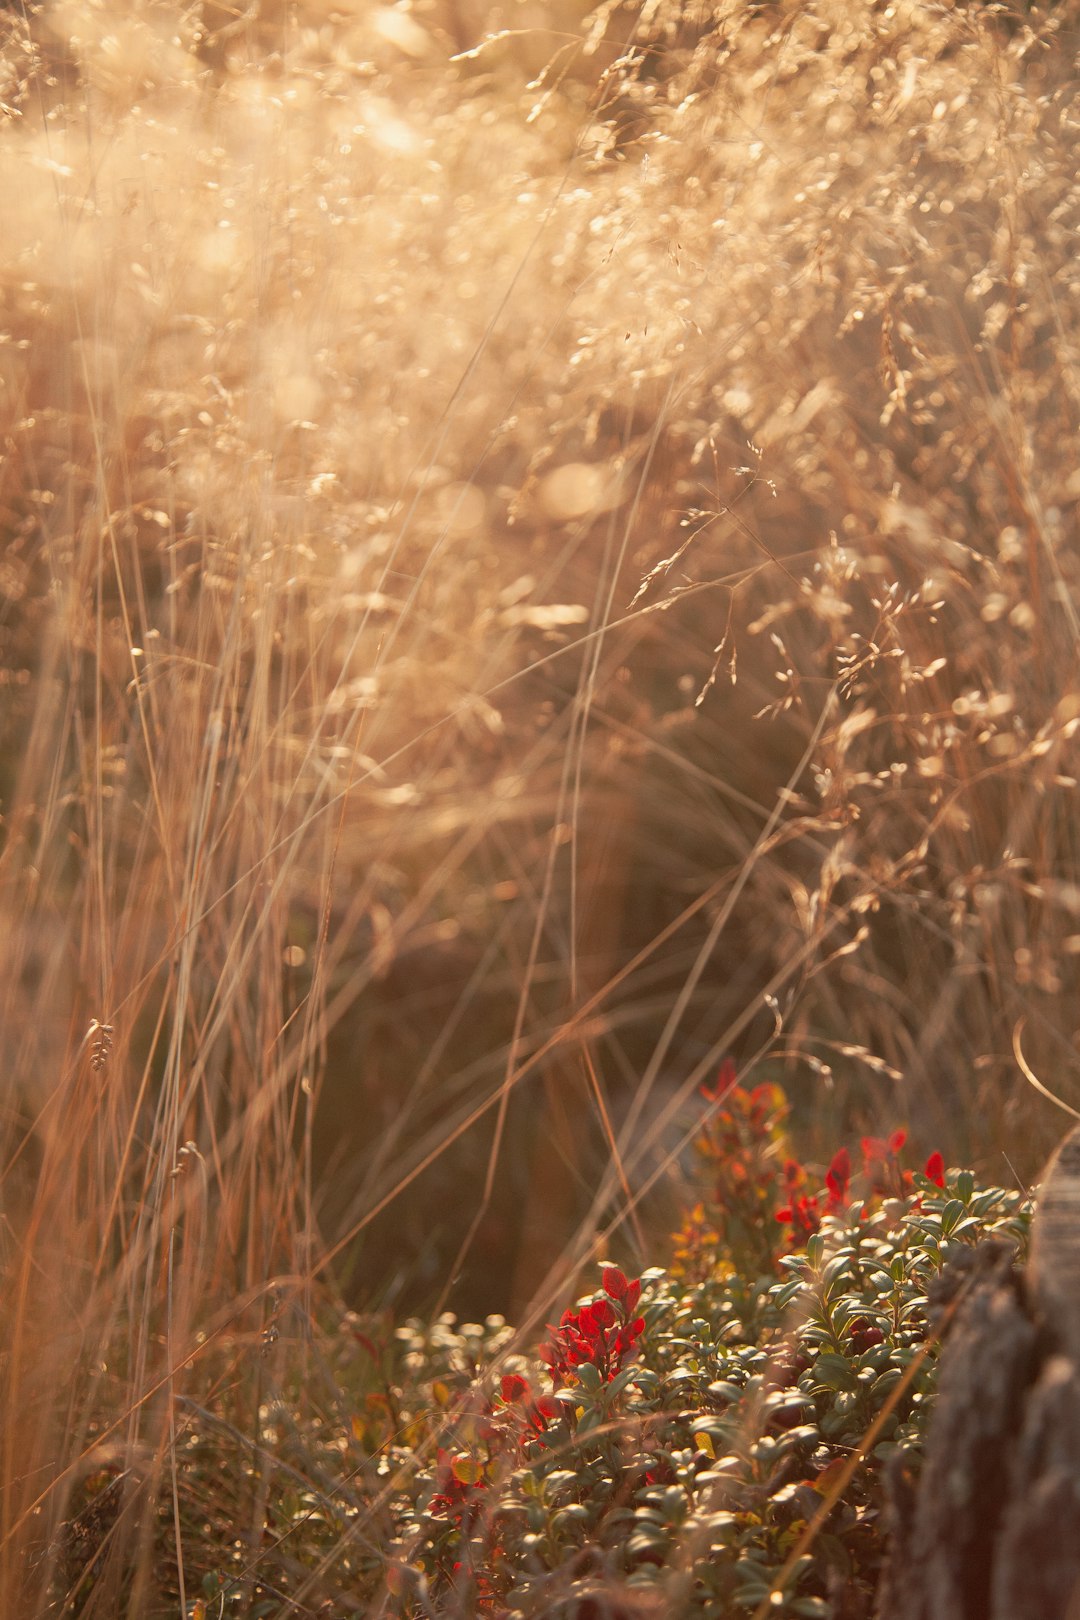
(803, 1212)
(460, 1478)
(516, 1419)
(522, 1409)
(602, 1333)
(741, 1146)
(881, 1164)
(802, 1215)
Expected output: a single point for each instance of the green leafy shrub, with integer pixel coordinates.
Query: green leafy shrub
(676, 1435)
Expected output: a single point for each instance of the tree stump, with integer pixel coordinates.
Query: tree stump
(991, 1530)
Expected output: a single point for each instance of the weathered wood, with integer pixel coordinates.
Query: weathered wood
(1054, 1270)
(943, 1534)
(991, 1528)
(1037, 1561)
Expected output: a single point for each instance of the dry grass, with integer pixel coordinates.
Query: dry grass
(423, 460)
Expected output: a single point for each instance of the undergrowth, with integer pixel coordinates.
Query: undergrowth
(539, 549)
(710, 1439)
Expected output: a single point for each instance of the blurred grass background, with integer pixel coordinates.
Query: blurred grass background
(539, 550)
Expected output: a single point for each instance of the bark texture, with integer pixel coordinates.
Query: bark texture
(991, 1529)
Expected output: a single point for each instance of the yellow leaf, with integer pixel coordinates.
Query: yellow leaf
(467, 1468)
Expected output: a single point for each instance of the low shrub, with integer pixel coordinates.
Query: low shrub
(709, 1439)
(676, 1437)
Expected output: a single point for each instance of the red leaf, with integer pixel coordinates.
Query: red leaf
(513, 1388)
(723, 1083)
(603, 1313)
(838, 1179)
(804, 1214)
(876, 1147)
(935, 1169)
(615, 1282)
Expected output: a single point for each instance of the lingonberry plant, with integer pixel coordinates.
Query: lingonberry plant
(705, 1441)
(697, 1418)
(601, 1334)
(737, 1148)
